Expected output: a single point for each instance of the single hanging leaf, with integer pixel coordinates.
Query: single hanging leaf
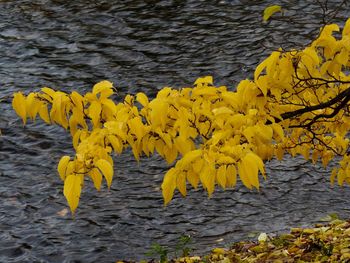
(106, 169)
(221, 176)
(181, 183)
(116, 143)
(269, 11)
(231, 175)
(244, 172)
(192, 178)
(62, 166)
(44, 113)
(169, 185)
(252, 163)
(96, 178)
(19, 105)
(207, 178)
(72, 190)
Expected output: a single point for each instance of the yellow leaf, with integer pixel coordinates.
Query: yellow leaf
(341, 177)
(220, 135)
(142, 99)
(244, 173)
(204, 80)
(278, 130)
(148, 144)
(94, 112)
(260, 69)
(269, 11)
(207, 177)
(197, 165)
(44, 113)
(62, 166)
(181, 183)
(192, 178)
(272, 62)
(159, 145)
(136, 127)
(221, 111)
(102, 86)
(109, 108)
(70, 167)
(57, 113)
(208, 80)
(230, 98)
(251, 168)
(106, 169)
(305, 152)
(170, 153)
(32, 105)
(279, 152)
(159, 110)
(72, 190)
(231, 176)
(96, 177)
(183, 145)
(221, 176)
(204, 91)
(256, 161)
(262, 84)
(265, 132)
(346, 29)
(343, 57)
(50, 92)
(116, 143)
(249, 133)
(76, 139)
(19, 105)
(78, 100)
(328, 30)
(136, 151)
(79, 117)
(73, 125)
(188, 158)
(169, 185)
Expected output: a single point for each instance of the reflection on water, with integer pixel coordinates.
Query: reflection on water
(140, 46)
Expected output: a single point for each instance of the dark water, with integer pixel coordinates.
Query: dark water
(140, 46)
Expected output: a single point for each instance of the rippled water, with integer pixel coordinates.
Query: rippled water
(140, 46)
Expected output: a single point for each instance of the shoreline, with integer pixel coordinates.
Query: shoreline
(328, 242)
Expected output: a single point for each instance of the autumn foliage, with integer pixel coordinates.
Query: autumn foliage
(297, 103)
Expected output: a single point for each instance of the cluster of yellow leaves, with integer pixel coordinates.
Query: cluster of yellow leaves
(299, 79)
(209, 134)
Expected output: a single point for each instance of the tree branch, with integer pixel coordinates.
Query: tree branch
(344, 96)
